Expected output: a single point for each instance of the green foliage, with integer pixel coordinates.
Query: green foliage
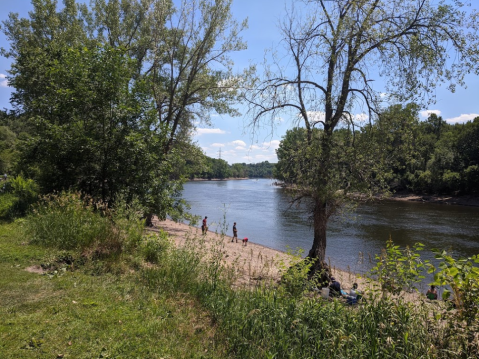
(8, 202)
(7, 152)
(220, 169)
(68, 221)
(398, 269)
(65, 221)
(153, 246)
(429, 156)
(295, 279)
(462, 277)
(111, 110)
(352, 171)
(182, 304)
(16, 197)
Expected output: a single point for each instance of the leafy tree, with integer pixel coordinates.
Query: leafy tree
(260, 170)
(333, 48)
(239, 170)
(7, 152)
(113, 90)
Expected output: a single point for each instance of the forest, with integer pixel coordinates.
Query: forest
(424, 157)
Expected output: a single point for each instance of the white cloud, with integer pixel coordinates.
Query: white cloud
(218, 145)
(261, 158)
(426, 113)
(238, 143)
(254, 147)
(240, 148)
(361, 117)
(272, 144)
(3, 80)
(205, 131)
(462, 118)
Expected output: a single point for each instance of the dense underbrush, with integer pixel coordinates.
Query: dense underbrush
(271, 320)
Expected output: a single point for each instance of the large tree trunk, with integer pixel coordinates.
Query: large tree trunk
(319, 269)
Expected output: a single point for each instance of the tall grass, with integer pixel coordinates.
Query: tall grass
(68, 221)
(273, 321)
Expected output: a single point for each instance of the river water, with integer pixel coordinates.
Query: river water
(263, 214)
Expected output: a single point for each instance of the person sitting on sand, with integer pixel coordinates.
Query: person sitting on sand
(334, 288)
(352, 297)
(432, 293)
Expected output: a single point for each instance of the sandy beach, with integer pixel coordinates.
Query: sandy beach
(252, 263)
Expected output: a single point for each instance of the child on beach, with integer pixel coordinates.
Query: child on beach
(245, 240)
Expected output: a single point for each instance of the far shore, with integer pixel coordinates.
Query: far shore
(407, 196)
(472, 201)
(219, 179)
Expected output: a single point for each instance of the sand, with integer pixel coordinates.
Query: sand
(252, 263)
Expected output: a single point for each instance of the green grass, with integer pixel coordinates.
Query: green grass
(80, 315)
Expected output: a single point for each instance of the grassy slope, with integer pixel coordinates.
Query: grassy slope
(80, 315)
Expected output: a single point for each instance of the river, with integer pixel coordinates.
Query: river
(263, 214)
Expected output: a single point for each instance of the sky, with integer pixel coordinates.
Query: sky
(231, 137)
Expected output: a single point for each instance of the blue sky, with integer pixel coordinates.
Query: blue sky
(232, 135)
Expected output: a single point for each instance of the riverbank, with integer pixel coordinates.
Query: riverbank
(252, 263)
(406, 196)
(438, 199)
(219, 179)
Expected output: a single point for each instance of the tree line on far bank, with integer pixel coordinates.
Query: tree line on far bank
(405, 154)
(204, 167)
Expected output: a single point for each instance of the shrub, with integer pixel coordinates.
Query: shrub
(7, 204)
(471, 179)
(153, 246)
(451, 181)
(65, 221)
(398, 269)
(17, 196)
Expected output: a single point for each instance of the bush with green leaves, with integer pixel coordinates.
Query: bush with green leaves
(154, 245)
(67, 221)
(398, 269)
(462, 277)
(16, 196)
(7, 204)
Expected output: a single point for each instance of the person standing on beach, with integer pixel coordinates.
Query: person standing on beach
(235, 233)
(204, 227)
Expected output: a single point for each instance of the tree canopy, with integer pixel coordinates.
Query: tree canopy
(112, 91)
